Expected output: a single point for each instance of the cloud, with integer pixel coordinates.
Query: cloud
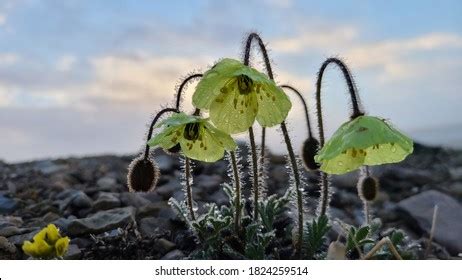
(141, 80)
(65, 63)
(316, 39)
(7, 59)
(3, 19)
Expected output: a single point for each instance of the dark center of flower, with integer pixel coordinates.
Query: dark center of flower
(191, 131)
(244, 84)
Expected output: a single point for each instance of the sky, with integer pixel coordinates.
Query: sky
(83, 77)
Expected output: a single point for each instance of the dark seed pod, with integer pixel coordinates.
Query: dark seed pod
(368, 188)
(173, 150)
(142, 175)
(309, 149)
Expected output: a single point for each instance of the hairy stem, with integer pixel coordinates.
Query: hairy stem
(237, 192)
(255, 183)
(247, 50)
(187, 171)
(151, 127)
(305, 107)
(299, 192)
(355, 112)
(181, 88)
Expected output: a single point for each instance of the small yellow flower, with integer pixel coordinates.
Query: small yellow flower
(47, 243)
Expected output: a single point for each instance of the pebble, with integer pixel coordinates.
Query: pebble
(7, 205)
(448, 231)
(102, 221)
(106, 201)
(174, 255)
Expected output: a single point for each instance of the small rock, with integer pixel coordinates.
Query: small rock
(12, 230)
(18, 240)
(10, 221)
(165, 163)
(106, 183)
(448, 230)
(102, 221)
(50, 217)
(106, 201)
(165, 245)
(219, 197)
(63, 223)
(133, 199)
(168, 189)
(208, 183)
(6, 246)
(81, 200)
(456, 173)
(152, 209)
(73, 252)
(48, 167)
(174, 255)
(148, 226)
(7, 205)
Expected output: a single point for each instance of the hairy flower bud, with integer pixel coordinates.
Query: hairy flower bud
(368, 188)
(143, 175)
(309, 149)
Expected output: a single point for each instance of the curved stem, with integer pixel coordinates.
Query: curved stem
(187, 171)
(237, 192)
(255, 184)
(355, 112)
(248, 47)
(181, 87)
(298, 186)
(305, 106)
(151, 127)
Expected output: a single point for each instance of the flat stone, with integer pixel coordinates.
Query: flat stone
(18, 240)
(106, 201)
(102, 221)
(6, 246)
(10, 221)
(152, 209)
(106, 183)
(48, 167)
(168, 189)
(136, 200)
(448, 230)
(208, 183)
(73, 252)
(165, 245)
(12, 230)
(174, 255)
(81, 200)
(148, 226)
(7, 205)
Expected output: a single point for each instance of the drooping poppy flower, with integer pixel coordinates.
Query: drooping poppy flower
(236, 95)
(364, 140)
(47, 243)
(198, 138)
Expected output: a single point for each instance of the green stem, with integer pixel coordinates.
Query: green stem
(255, 184)
(237, 192)
(298, 190)
(355, 112)
(187, 170)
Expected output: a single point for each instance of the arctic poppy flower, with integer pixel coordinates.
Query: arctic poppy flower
(198, 138)
(365, 140)
(236, 95)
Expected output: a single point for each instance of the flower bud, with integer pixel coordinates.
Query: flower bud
(368, 188)
(143, 175)
(309, 149)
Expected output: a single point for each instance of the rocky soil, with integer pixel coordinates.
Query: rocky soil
(87, 199)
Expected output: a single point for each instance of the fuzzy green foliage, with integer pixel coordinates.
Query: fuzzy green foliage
(217, 237)
(315, 237)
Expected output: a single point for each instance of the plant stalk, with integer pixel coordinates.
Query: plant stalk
(187, 171)
(237, 192)
(355, 112)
